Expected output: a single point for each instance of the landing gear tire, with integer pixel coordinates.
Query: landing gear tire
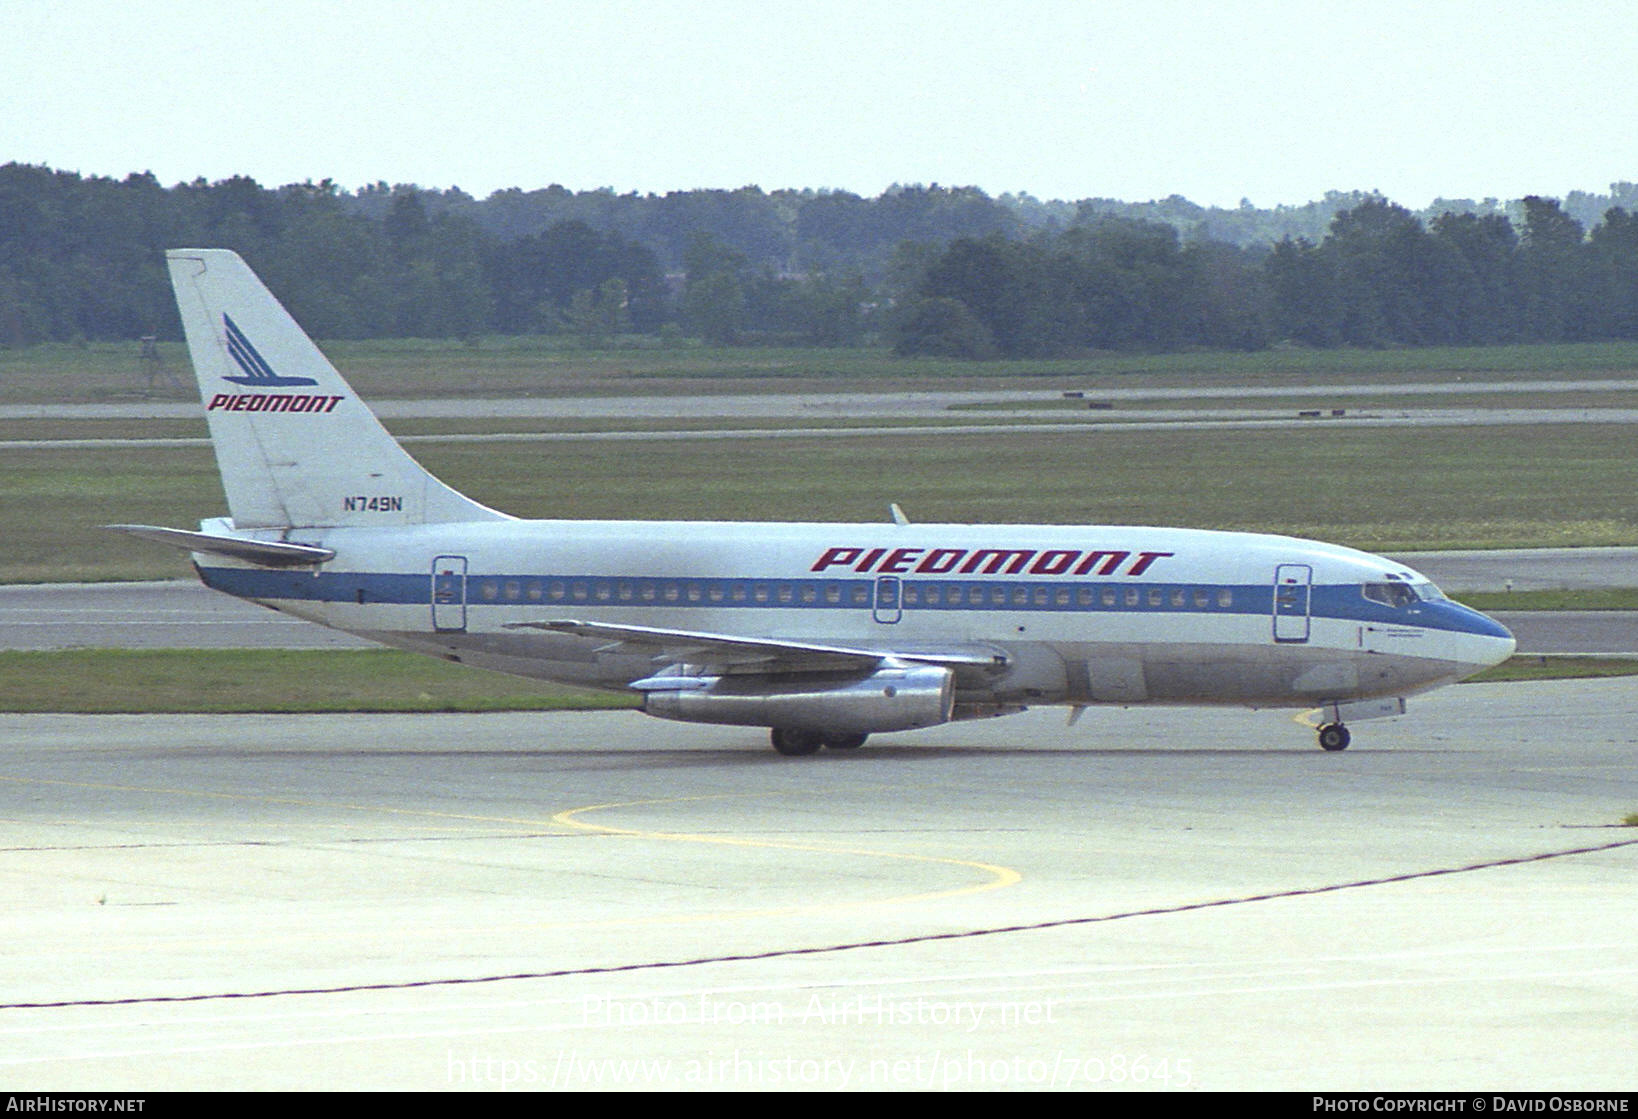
(796, 743)
(1334, 737)
(845, 741)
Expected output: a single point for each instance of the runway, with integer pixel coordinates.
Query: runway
(850, 415)
(844, 405)
(1003, 422)
(1173, 899)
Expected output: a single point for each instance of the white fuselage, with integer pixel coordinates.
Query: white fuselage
(1079, 615)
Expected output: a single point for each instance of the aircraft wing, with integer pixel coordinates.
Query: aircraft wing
(766, 654)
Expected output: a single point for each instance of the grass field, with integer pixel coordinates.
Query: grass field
(1538, 667)
(1383, 489)
(191, 681)
(421, 427)
(545, 366)
(133, 681)
(1600, 598)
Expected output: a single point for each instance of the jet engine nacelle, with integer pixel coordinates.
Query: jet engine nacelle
(891, 698)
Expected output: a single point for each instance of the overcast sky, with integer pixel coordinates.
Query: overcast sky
(1269, 100)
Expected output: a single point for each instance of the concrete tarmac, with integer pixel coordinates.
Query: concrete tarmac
(1597, 632)
(168, 614)
(1163, 900)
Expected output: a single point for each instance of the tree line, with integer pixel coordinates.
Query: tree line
(932, 270)
(1380, 277)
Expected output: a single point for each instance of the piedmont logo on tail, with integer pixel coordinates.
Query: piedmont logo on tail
(256, 370)
(823, 633)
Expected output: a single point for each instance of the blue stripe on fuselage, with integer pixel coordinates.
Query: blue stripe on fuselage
(562, 593)
(1454, 616)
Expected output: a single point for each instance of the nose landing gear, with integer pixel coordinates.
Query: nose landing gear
(1334, 737)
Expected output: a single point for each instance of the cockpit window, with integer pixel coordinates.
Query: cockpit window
(1397, 595)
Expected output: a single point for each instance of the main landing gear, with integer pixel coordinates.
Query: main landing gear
(795, 743)
(1334, 737)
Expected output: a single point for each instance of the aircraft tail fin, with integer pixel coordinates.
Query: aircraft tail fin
(296, 446)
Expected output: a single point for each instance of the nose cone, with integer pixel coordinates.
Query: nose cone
(1467, 639)
(1500, 648)
(1489, 642)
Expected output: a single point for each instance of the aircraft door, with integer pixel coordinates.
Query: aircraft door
(449, 594)
(888, 606)
(1293, 589)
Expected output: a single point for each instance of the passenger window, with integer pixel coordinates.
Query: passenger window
(1225, 598)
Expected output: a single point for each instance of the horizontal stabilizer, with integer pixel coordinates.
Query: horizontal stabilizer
(265, 552)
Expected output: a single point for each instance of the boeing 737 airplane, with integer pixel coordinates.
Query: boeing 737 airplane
(823, 633)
